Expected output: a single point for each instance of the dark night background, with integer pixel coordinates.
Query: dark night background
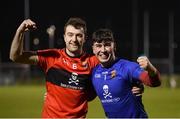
(117, 15)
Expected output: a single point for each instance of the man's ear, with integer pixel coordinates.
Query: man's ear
(93, 48)
(115, 46)
(64, 37)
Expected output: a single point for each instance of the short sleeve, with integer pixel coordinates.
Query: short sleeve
(135, 70)
(46, 58)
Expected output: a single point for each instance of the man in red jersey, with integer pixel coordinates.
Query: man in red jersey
(67, 70)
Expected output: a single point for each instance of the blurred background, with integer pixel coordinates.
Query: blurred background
(141, 27)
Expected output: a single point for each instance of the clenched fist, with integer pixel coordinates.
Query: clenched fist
(146, 64)
(27, 25)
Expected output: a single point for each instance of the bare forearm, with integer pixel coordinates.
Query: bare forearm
(17, 46)
(16, 52)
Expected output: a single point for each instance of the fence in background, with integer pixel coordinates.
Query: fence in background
(11, 72)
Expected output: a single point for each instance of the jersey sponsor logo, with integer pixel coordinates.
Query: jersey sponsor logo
(73, 78)
(106, 92)
(70, 86)
(108, 98)
(67, 79)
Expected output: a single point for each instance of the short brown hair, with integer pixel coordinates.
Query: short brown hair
(77, 23)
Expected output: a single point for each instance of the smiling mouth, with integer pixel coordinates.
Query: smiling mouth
(103, 56)
(74, 45)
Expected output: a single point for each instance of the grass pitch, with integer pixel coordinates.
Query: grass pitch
(26, 102)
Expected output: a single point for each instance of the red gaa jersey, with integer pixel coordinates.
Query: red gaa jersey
(67, 83)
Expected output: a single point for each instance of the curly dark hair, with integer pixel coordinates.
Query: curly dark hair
(102, 34)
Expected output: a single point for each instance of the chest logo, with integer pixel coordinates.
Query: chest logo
(73, 78)
(106, 92)
(113, 74)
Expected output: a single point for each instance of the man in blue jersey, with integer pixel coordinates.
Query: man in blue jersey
(113, 78)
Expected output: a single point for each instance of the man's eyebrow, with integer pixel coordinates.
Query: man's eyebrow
(70, 32)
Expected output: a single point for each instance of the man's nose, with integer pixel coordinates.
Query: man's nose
(103, 49)
(74, 38)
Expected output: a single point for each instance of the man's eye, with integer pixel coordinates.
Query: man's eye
(80, 35)
(70, 34)
(108, 44)
(98, 46)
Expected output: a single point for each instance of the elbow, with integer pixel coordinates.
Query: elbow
(13, 58)
(151, 81)
(157, 81)
(156, 84)
(15, 55)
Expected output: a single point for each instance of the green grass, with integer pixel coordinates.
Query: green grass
(162, 102)
(26, 101)
(21, 101)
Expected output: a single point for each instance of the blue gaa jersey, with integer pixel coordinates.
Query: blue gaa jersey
(113, 86)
